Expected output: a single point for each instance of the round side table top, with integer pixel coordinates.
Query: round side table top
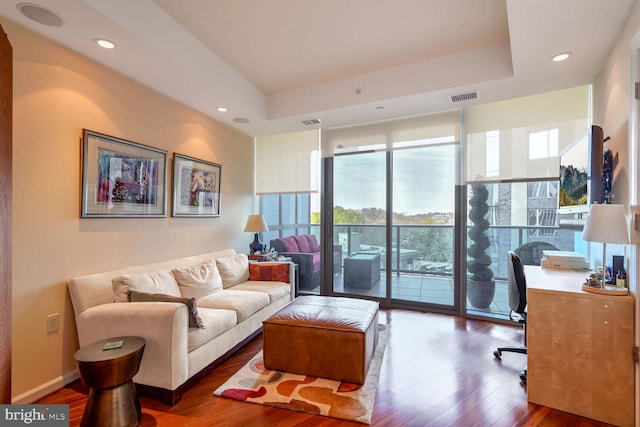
(95, 352)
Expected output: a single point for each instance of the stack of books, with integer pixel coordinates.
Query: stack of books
(564, 259)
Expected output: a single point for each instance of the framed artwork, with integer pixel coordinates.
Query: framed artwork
(121, 178)
(196, 187)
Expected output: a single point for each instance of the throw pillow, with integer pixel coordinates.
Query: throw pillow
(277, 272)
(159, 282)
(199, 280)
(194, 320)
(233, 269)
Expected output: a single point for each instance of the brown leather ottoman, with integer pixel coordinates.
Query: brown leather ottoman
(327, 337)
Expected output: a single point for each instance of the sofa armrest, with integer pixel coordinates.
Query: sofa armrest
(304, 261)
(163, 325)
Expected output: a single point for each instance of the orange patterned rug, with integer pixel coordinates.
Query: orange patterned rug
(347, 401)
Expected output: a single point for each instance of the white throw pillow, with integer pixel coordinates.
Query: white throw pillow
(233, 269)
(199, 280)
(157, 282)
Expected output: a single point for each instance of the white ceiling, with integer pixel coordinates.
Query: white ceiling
(277, 62)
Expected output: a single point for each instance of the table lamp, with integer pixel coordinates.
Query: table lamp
(606, 224)
(256, 224)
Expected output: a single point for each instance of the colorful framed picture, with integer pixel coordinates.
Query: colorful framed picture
(121, 178)
(196, 187)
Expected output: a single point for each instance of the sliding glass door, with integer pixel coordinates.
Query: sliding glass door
(394, 218)
(360, 223)
(422, 262)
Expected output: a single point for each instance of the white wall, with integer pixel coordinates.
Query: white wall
(614, 110)
(57, 93)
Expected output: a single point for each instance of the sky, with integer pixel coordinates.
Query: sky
(424, 180)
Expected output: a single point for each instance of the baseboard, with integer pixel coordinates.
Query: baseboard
(168, 397)
(46, 389)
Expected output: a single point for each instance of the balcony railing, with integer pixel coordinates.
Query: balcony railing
(428, 249)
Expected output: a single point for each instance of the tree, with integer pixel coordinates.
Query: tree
(347, 216)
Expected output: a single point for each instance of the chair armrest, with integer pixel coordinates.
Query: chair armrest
(163, 325)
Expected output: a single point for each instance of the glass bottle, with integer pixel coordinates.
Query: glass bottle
(621, 279)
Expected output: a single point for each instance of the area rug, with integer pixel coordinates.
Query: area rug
(353, 402)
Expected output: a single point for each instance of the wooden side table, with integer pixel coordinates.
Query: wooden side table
(108, 374)
(269, 256)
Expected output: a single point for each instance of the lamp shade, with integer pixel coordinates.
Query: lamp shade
(256, 224)
(606, 224)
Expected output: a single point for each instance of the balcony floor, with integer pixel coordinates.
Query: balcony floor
(416, 287)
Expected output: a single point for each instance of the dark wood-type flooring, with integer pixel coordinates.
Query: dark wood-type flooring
(438, 370)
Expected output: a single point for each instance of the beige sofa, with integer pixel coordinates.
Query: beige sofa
(184, 340)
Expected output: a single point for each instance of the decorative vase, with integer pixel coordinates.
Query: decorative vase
(481, 292)
(256, 245)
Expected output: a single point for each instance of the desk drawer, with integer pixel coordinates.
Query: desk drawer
(580, 355)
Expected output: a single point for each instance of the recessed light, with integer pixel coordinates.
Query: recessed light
(222, 109)
(560, 57)
(107, 44)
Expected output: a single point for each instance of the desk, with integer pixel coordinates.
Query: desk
(580, 347)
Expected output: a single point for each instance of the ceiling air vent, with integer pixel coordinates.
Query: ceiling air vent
(310, 122)
(468, 96)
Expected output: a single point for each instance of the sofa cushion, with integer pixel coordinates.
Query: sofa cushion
(244, 303)
(313, 242)
(303, 243)
(156, 282)
(289, 244)
(215, 322)
(233, 269)
(198, 280)
(278, 272)
(275, 290)
(194, 319)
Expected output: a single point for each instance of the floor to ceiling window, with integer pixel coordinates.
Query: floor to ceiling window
(512, 170)
(287, 185)
(359, 222)
(393, 225)
(394, 213)
(423, 224)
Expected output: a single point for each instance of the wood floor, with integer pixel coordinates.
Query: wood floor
(438, 370)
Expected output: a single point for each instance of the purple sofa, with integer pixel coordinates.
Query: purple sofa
(304, 250)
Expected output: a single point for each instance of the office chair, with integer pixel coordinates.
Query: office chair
(517, 290)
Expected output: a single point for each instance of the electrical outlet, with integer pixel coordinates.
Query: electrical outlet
(53, 322)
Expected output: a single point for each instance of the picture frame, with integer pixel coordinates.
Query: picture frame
(122, 178)
(196, 187)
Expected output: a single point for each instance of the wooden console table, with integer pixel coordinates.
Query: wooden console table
(580, 347)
